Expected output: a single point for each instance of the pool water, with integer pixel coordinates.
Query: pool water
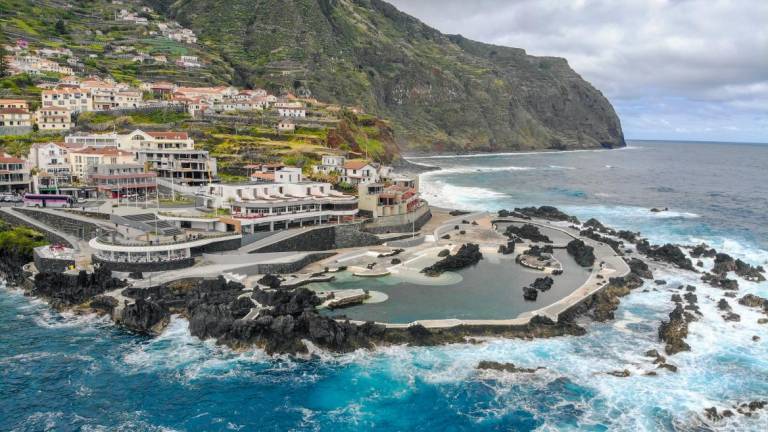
(491, 289)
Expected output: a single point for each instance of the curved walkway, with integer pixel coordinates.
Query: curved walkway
(614, 266)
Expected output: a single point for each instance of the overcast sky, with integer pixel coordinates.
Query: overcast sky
(673, 69)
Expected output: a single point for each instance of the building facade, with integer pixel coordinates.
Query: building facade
(118, 181)
(14, 175)
(184, 167)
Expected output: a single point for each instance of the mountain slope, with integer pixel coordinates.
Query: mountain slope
(442, 92)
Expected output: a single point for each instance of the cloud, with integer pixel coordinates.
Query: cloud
(698, 55)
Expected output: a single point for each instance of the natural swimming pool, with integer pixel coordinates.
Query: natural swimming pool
(491, 289)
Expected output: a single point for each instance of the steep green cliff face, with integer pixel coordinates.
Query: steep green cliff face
(442, 92)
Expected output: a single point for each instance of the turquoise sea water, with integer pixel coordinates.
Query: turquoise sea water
(61, 372)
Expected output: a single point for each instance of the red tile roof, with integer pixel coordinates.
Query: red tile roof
(10, 159)
(13, 111)
(355, 164)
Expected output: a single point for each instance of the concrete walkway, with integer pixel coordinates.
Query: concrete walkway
(613, 266)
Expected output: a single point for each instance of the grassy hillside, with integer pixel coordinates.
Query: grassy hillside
(442, 92)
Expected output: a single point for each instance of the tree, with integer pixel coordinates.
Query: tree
(61, 27)
(3, 64)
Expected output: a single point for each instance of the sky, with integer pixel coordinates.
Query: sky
(673, 69)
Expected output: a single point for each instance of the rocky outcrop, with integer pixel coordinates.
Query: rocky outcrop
(270, 281)
(467, 255)
(724, 263)
(720, 281)
(63, 290)
(703, 250)
(674, 331)
(755, 301)
(543, 283)
(527, 231)
(505, 367)
(616, 245)
(146, 317)
(602, 305)
(548, 213)
(581, 252)
(668, 253)
(639, 267)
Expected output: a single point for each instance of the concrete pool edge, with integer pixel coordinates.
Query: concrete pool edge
(593, 285)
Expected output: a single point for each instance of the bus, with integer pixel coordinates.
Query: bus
(48, 200)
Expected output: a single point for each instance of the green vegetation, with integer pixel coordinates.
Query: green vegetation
(18, 145)
(20, 239)
(441, 92)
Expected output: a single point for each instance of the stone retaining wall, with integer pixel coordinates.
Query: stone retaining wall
(144, 267)
(74, 227)
(324, 238)
(52, 265)
(222, 246)
(51, 236)
(398, 224)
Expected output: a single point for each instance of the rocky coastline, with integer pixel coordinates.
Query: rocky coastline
(286, 320)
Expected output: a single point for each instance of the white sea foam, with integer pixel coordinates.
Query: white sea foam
(484, 155)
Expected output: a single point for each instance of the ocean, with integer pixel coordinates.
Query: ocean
(66, 372)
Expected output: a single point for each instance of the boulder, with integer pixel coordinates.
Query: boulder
(467, 255)
(505, 367)
(581, 252)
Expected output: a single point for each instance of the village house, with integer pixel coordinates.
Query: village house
(290, 109)
(330, 164)
(15, 118)
(286, 126)
(357, 172)
(128, 180)
(140, 140)
(14, 103)
(398, 198)
(188, 62)
(209, 94)
(180, 166)
(53, 118)
(74, 99)
(287, 202)
(14, 175)
(52, 159)
(81, 159)
(83, 139)
(34, 65)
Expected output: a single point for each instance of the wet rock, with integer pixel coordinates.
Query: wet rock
(762, 320)
(616, 245)
(543, 283)
(505, 367)
(755, 301)
(628, 236)
(690, 288)
(530, 294)
(539, 251)
(582, 253)
(712, 414)
(469, 254)
(703, 250)
(675, 330)
(604, 303)
(723, 305)
(547, 212)
(667, 253)
(621, 374)
(730, 294)
(676, 298)
(755, 338)
(720, 281)
(657, 358)
(730, 316)
(659, 210)
(749, 408)
(145, 317)
(639, 267)
(443, 253)
(270, 281)
(527, 231)
(507, 213)
(395, 261)
(667, 366)
(104, 304)
(660, 282)
(507, 249)
(64, 290)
